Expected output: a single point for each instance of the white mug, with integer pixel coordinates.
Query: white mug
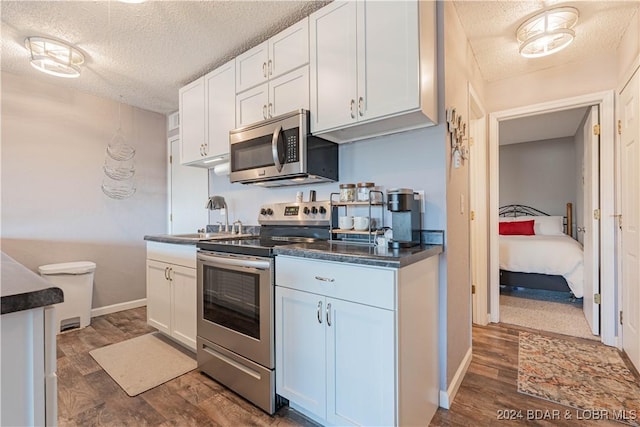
(361, 223)
(345, 222)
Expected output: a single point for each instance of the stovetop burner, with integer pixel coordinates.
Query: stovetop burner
(280, 224)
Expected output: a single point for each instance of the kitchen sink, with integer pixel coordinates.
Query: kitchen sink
(207, 236)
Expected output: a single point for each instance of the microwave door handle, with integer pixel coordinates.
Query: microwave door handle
(274, 148)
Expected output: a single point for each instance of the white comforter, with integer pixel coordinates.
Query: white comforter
(558, 255)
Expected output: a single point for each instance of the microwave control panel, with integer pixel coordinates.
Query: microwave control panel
(291, 148)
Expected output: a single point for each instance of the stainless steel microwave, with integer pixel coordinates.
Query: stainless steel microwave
(280, 151)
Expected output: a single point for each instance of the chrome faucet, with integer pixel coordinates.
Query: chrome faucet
(239, 227)
(216, 203)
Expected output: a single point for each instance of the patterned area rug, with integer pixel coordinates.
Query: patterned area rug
(592, 379)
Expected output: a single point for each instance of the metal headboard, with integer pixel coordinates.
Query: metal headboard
(519, 210)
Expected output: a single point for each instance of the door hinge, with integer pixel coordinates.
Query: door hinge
(596, 214)
(619, 127)
(170, 160)
(472, 215)
(473, 289)
(621, 317)
(471, 141)
(170, 217)
(596, 129)
(597, 299)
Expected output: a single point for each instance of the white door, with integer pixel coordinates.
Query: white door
(630, 204)
(360, 364)
(193, 121)
(251, 67)
(289, 49)
(189, 189)
(251, 105)
(333, 66)
(158, 296)
(184, 310)
(591, 189)
(221, 111)
(289, 92)
(388, 67)
(300, 349)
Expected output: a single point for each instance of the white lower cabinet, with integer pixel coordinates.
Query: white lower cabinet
(354, 344)
(171, 291)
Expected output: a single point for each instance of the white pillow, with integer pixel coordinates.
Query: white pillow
(543, 225)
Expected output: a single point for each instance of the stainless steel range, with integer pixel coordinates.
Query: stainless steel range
(236, 299)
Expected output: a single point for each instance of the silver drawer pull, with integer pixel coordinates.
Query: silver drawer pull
(329, 314)
(319, 312)
(325, 279)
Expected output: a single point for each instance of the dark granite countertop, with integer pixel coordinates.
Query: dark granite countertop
(360, 254)
(167, 238)
(22, 289)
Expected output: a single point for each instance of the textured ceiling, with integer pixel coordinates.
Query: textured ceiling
(144, 52)
(491, 26)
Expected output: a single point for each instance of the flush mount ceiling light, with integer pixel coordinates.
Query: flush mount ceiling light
(547, 32)
(54, 57)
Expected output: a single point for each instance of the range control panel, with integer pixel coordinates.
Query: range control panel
(296, 213)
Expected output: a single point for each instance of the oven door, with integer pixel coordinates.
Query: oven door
(236, 304)
(273, 149)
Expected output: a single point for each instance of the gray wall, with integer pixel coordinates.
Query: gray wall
(53, 208)
(540, 174)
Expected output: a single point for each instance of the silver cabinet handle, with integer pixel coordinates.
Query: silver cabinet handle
(329, 314)
(205, 149)
(325, 279)
(353, 106)
(264, 111)
(200, 150)
(170, 272)
(166, 273)
(270, 110)
(319, 312)
(270, 67)
(361, 106)
(264, 69)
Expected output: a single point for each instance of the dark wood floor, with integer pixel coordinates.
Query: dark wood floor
(87, 396)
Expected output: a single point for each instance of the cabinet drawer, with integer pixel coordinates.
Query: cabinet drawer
(366, 285)
(184, 255)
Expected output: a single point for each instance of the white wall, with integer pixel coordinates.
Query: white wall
(540, 174)
(410, 159)
(53, 208)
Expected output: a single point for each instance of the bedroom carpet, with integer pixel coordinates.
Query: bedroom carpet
(144, 362)
(545, 315)
(591, 378)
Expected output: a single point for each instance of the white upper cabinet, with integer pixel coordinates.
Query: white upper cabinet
(372, 67)
(193, 132)
(280, 54)
(207, 114)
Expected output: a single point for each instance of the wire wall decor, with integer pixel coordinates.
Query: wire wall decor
(119, 165)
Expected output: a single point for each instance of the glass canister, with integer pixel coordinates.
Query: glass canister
(364, 188)
(347, 192)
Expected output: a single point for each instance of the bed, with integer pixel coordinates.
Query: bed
(536, 251)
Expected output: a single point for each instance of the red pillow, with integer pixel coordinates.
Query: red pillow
(522, 228)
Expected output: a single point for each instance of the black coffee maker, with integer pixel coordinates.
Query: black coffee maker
(406, 220)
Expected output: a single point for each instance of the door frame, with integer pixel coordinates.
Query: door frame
(608, 288)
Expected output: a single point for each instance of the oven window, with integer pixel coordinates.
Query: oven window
(255, 153)
(232, 299)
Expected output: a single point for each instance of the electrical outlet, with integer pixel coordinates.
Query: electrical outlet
(423, 201)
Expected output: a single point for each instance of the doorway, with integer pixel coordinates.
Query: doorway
(606, 234)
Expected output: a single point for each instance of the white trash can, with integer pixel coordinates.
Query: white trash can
(76, 281)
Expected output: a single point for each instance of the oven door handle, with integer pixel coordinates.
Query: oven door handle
(274, 148)
(249, 263)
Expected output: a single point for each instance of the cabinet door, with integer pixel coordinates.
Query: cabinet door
(159, 296)
(251, 67)
(289, 92)
(388, 58)
(193, 132)
(289, 49)
(221, 112)
(251, 105)
(360, 364)
(333, 67)
(300, 349)
(183, 319)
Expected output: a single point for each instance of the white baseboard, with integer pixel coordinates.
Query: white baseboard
(101, 311)
(446, 397)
